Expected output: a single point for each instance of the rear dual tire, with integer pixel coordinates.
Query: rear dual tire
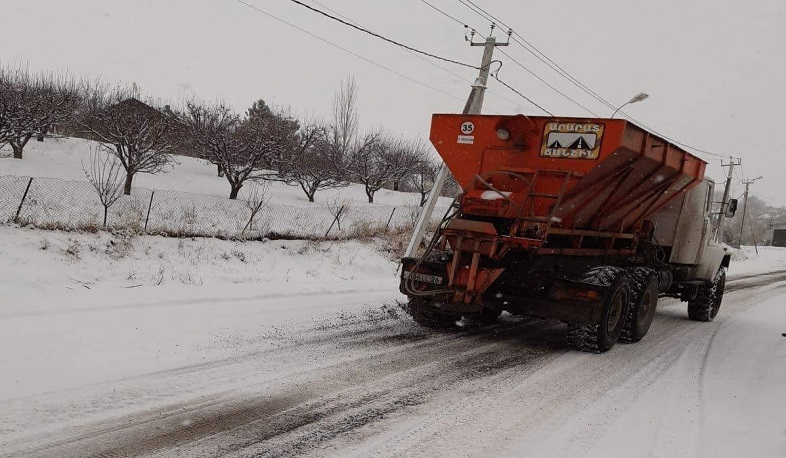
(598, 338)
(644, 300)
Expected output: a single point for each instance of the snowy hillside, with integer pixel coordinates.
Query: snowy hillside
(189, 199)
(63, 158)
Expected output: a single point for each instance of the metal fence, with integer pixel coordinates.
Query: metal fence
(56, 203)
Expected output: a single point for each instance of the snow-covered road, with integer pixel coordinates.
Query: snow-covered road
(360, 379)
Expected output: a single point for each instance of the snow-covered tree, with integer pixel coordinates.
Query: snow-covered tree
(31, 104)
(141, 137)
(380, 160)
(243, 148)
(314, 162)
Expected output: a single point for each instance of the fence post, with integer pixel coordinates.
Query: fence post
(149, 206)
(387, 226)
(24, 197)
(331, 224)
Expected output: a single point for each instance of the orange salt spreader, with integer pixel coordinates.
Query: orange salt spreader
(567, 218)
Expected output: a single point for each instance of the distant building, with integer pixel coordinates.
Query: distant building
(776, 234)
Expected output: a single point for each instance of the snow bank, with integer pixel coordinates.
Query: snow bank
(86, 308)
(745, 260)
(79, 261)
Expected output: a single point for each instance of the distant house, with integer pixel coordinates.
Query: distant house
(776, 234)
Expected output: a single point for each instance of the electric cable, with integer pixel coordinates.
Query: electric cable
(547, 83)
(522, 95)
(413, 80)
(521, 41)
(464, 24)
(381, 37)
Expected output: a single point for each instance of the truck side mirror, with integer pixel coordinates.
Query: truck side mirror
(732, 208)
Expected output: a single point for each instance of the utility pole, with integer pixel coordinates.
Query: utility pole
(725, 201)
(473, 106)
(747, 184)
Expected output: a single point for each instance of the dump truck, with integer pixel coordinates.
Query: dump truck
(583, 220)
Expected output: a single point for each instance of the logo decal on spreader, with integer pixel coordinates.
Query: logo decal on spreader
(572, 140)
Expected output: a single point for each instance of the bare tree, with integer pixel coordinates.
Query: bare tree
(30, 104)
(314, 163)
(381, 160)
(104, 174)
(256, 199)
(247, 148)
(345, 123)
(142, 138)
(422, 180)
(451, 188)
(339, 208)
(15, 89)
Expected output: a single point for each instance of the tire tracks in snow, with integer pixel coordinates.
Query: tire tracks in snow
(342, 388)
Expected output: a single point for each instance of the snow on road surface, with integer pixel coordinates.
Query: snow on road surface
(327, 364)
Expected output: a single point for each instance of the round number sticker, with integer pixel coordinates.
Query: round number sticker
(467, 128)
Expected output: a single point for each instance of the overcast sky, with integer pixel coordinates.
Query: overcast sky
(714, 69)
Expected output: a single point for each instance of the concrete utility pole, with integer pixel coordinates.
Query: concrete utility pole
(747, 184)
(725, 201)
(473, 106)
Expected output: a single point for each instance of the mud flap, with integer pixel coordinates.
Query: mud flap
(574, 301)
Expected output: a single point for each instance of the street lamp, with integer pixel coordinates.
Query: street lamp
(637, 98)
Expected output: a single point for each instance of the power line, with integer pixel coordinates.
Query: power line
(521, 41)
(480, 12)
(428, 61)
(536, 52)
(334, 11)
(413, 53)
(348, 51)
(547, 83)
(447, 15)
(527, 46)
(376, 35)
(522, 95)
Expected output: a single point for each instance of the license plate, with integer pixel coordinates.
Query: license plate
(424, 278)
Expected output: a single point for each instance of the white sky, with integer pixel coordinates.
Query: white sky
(714, 69)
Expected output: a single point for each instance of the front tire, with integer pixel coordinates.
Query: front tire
(705, 306)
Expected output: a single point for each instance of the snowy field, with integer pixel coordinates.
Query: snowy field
(63, 159)
(188, 199)
(152, 346)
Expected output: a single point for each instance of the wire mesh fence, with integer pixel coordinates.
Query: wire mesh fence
(62, 204)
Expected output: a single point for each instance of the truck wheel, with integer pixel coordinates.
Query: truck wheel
(429, 316)
(705, 306)
(644, 300)
(598, 338)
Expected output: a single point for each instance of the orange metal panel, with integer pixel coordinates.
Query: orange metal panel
(621, 173)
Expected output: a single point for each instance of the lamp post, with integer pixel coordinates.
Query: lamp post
(637, 98)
